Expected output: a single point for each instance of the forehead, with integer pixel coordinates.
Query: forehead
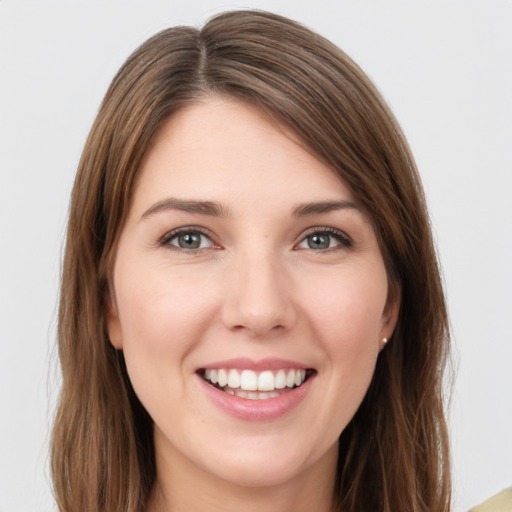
(232, 152)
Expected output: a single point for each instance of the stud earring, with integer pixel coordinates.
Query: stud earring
(383, 342)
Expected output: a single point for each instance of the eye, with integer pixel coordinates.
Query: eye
(187, 239)
(324, 239)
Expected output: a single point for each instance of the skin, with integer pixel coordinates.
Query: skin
(253, 288)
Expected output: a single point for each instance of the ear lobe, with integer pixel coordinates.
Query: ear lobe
(114, 330)
(390, 315)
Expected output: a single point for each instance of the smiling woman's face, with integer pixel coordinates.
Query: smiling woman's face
(245, 268)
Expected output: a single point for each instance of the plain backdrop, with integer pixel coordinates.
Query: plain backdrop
(445, 67)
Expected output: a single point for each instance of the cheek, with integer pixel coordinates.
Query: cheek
(346, 315)
(163, 318)
(347, 308)
(162, 313)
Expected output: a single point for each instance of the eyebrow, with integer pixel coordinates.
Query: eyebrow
(214, 209)
(187, 205)
(306, 209)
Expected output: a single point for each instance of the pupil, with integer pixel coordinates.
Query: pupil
(189, 241)
(318, 241)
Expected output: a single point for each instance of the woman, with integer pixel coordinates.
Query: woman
(251, 310)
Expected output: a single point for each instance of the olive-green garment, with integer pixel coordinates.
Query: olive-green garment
(502, 502)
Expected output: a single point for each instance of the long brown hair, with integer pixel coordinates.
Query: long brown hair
(394, 453)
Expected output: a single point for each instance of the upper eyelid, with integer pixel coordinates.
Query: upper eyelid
(206, 232)
(344, 242)
(326, 229)
(329, 229)
(186, 229)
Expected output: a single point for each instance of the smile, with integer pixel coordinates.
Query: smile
(253, 385)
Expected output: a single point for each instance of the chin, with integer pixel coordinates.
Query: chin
(260, 474)
(268, 462)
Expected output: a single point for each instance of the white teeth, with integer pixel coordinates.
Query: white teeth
(248, 381)
(280, 380)
(222, 377)
(251, 395)
(266, 381)
(233, 379)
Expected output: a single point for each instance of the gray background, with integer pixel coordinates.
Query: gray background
(446, 69)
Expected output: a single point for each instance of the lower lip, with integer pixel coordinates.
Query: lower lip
(257, 410)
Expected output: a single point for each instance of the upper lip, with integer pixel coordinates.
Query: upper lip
(244, 363)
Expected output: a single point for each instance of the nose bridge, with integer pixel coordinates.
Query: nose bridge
(257, 295)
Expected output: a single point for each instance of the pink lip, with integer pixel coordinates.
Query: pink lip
(257, 366)
(256, 410)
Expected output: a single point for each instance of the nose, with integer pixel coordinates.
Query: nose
(258, 297)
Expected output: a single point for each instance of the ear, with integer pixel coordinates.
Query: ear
(390, 317)
(115, 334)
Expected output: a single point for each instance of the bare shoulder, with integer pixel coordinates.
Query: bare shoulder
(502, 502)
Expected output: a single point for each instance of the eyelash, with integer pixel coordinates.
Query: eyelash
(189, 230)
(343, 240)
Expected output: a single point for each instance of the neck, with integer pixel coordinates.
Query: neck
(181, 486)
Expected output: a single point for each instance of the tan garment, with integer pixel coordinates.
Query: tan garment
(502, 502)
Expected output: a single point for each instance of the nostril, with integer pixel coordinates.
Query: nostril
(258, 330)
(258, 300)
